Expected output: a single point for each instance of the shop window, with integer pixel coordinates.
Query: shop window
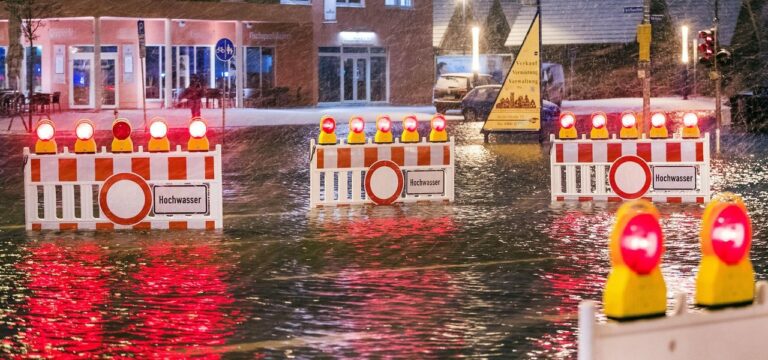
(37, 68)
(378, 78)
(329, 72)
(155, 76)
(3, 69)
(259, 70)
(350, 3)
(399, 3)
(188, 62)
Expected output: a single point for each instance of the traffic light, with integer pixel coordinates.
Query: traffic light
(723, 57)
(706, 46)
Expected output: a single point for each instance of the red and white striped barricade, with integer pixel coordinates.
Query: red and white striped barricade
(140, 190)
(381, 174)
(660, 170)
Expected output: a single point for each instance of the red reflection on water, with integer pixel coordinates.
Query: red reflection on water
(68, 290)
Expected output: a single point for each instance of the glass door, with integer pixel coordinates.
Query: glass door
(109, 89)
(356, 75)
(81, 91)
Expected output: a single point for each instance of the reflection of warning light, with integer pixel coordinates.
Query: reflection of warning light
(383, 130)
(438, 133)
(725, 274)
(635, 286)
(158, 136)
(45, 131)
(691, 126)
(198, 141)
(356, 130)
(121, 132)
(659, 126)
(628, 126)
(567, 126)
(410, 127)
(84, 130)
(327, 131)
(599, 130)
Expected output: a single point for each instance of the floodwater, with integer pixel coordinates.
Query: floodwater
(499, 273)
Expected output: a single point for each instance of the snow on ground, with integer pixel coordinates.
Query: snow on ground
(618, 105)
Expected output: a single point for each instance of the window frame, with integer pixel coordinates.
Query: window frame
(399, 4)
(347, 4)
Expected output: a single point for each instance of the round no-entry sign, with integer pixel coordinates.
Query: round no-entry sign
(630, 177)
(125, 198)
(384, 182)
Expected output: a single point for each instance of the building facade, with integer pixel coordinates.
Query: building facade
(303, 52)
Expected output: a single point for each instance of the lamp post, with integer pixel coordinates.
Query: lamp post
(475, 52)
(684, 59)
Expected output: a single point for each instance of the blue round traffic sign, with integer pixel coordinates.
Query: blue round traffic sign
(225, 49)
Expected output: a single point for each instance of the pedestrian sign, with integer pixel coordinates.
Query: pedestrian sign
(225, 49)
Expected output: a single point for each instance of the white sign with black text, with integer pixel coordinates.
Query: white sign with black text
(674, 177)
(424, 182)
(180, 199)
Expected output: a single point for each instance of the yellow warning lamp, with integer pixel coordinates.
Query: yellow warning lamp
(383, 130)
(84, 130)
(438, 133)
(691, 126)
(599, 129)
(327, 131)
(198, 141)
(635, 286)
(725, 275)
(628, 126)
(567, 126)
(410, 127)
(121, 133)
(356, 130)
(158, 136)
(659, 126)
(45, 131)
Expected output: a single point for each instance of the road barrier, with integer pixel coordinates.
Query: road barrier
(660, 170)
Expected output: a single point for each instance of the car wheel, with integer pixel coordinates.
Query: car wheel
(470, 115)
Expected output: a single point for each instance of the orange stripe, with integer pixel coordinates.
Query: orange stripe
(209, 172)
(67, 226)
(35, 171)
(446, 155)
(422, 156)
(371, 156)
(700, 200)
(345, 158)
(105, 226)
(398, 155)
(177, 168)
(177, 225)
(37, 227)
(613, 198)
(320, 158)
(675, 199)
(210, 225)
(104, 168)
(585, 198)
(560, 198)
(143, 226)
(140, 166)
(67, 169)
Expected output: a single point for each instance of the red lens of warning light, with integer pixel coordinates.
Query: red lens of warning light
(690, 120)
(158, 129)
(45, 131)
(731, 235)
(567, 121)
(628, 120)
(384, 124)
(642, 243)
(329, 125)
(121, 130)
(598, 120)
(197, 128)
(658, 120)
(84, 130)
(410, 123)
(438, 123)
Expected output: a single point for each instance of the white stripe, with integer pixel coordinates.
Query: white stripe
(436, 155)
(196, 224)
(330, 159)
(570, 153)
(49, 169)
(159, 224)
(385, 153)
(628, 148)
(86, 168)
(688, 151)
(158, 168)
(659, 151)
(411, 156)
(195, 168)
(121, 164)
(600, 151)
(357, 157)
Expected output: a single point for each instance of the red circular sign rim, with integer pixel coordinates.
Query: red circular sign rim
(369, 174)
(112, 180)
(612, 177)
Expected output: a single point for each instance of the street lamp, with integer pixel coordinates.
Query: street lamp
(475, 51)
(684, 59)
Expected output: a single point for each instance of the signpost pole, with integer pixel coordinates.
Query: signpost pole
(224, 101)
(142, 59)
(645, 68)
(716, 75)
(225, 51)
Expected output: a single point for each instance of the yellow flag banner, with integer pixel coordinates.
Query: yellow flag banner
(518, 105)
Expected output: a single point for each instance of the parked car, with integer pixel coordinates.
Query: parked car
(477, 104)
(552, 83)
(451, 88)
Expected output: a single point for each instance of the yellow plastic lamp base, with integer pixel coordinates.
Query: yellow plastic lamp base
(568, 133)
(356, 138)
(599, 133)
(122, 146)
(159, 145)
(628, 133)
(326, 139)
(45, 147)
(198, 144)
(719, 284)
(85, 146)
(409, 137)
(383, 137)
(691, 132)
(629, 295)
(658, 133)
(438, 136)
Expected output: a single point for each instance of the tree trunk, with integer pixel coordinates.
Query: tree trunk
(15, 50)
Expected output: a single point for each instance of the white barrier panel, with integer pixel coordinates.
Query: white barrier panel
(346, 174)
(140, 190)
(659, 170)
(733, 333)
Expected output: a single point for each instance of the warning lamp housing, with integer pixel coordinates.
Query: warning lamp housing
(438, 125)
(45, 131)
(121, 133)
(726, 276)
(383, 130)
(599, 126)
(567, 126)
(635, 287)
(410, 132)
(84, 130)
(356, 130)
(691, 126)
(158, 136)
(327, 131)
(628, 126)
(198, 135)
(659, 126)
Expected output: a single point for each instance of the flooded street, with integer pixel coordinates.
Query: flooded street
(499, 273)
